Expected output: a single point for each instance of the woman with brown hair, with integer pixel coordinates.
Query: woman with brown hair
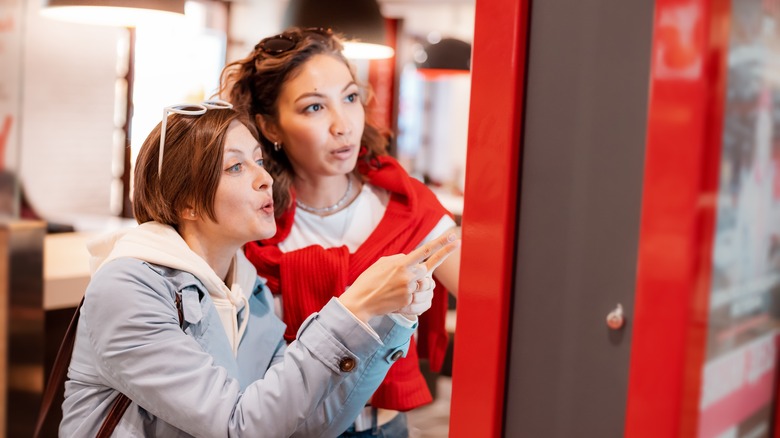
(177, 332)
(341, 201)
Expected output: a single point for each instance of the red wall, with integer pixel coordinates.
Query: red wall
(689, 55)
(489, 218)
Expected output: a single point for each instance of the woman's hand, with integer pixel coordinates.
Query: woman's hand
(422, 298)
(393, 282)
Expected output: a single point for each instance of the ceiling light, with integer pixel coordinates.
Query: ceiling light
(126, 13)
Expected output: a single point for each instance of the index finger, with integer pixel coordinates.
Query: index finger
(428, 249)
(441, 255)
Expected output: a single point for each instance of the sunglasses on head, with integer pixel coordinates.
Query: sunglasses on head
(187, 109)
(287, 41)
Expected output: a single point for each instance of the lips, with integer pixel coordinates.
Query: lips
(268, 207)
(343, 153)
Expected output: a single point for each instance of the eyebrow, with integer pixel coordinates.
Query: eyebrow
(316, 94)
(239, 151)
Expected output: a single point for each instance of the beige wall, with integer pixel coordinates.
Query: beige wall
(67, 133)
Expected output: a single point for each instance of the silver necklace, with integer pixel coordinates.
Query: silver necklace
(329, 208)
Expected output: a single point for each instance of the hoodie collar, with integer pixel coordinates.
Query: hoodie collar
(162, 245)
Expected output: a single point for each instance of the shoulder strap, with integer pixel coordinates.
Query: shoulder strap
(59, 373)
(115, 414)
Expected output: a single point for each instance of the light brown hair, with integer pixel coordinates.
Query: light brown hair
(191, 169)
(253, 85)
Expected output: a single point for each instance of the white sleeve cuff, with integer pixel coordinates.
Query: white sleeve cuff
(403, 320)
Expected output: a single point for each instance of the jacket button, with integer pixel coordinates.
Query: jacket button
(347, 364)
(396, 355)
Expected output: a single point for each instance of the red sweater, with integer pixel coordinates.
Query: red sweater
(308, 277)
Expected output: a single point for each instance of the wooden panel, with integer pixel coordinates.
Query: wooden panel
(4, 242)
(580, 197)
(25, 336)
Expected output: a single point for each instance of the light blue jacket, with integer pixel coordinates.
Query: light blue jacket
(190, 383)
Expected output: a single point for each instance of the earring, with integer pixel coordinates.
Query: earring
(277, 146)
(192, 213)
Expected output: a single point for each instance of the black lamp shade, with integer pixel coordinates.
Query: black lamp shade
(448, 54)
(356, 19)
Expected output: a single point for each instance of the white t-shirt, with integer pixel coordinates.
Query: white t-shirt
(351, 226)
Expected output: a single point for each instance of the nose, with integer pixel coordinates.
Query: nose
(340, 123)
(263, 180)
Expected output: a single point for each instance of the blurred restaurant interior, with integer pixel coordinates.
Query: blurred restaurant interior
(613, 166)
(79, 91)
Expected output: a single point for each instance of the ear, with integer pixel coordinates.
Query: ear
(188, 214)
(268, 128)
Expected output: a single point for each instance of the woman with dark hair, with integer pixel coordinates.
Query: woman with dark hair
(177, 332)
(342, 201)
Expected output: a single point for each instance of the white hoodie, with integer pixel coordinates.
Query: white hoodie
(162, 245)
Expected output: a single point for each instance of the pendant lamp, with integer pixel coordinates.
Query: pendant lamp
(446, 57)
(125, 13)
(360, 21)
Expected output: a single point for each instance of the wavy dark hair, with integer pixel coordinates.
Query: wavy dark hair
(253, 85)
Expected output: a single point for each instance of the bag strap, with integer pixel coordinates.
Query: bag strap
(59, 373)
(115, 414)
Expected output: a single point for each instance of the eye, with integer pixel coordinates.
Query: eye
(234, 168)
(352, 97)
(313, 108)
(259, 162)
